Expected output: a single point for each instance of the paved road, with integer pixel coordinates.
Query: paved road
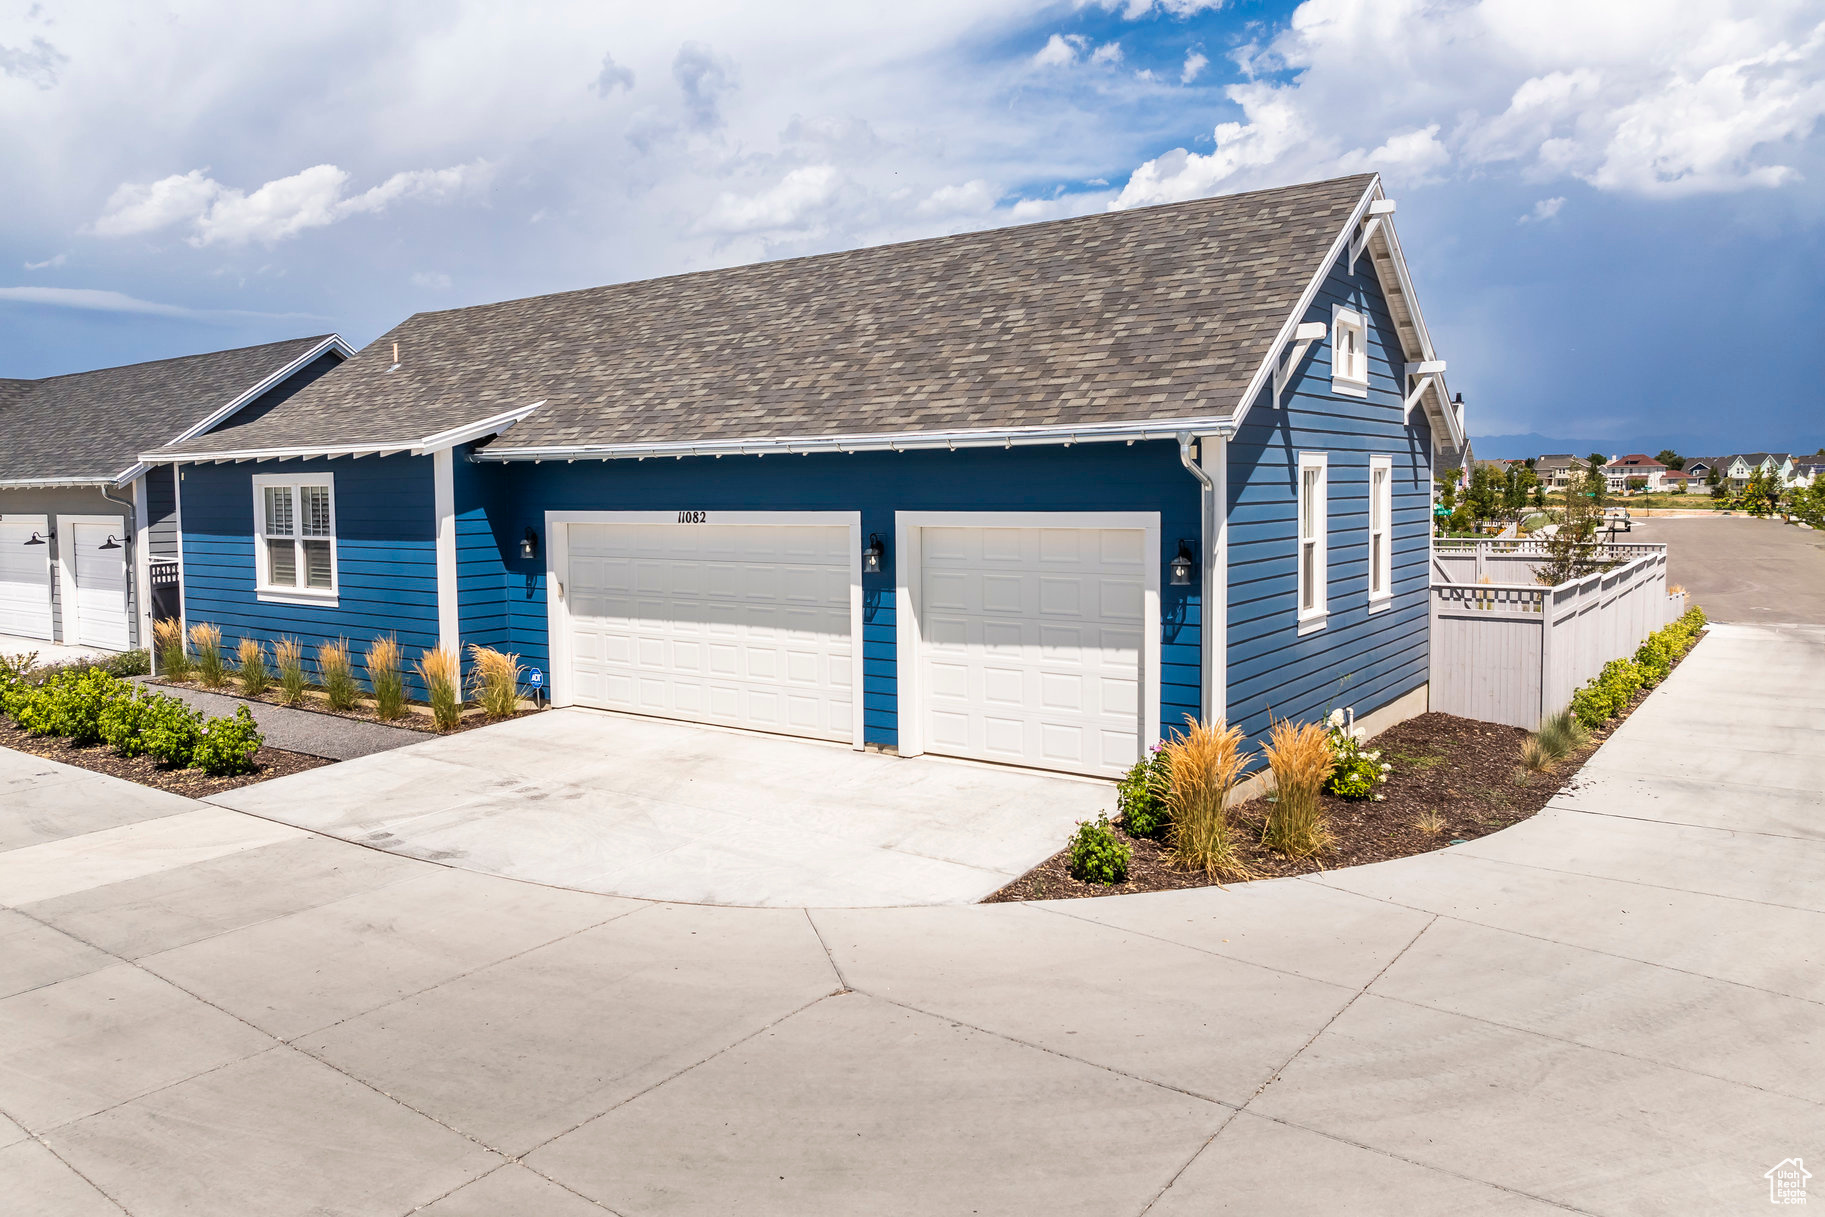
(1611, 1008)
(1744, 569)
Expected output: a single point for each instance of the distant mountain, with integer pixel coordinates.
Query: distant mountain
(1517, 447)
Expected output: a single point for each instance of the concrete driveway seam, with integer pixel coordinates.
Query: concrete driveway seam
(509, 1163)
(836, 967)
(1662, 887)
(1555, 805)
(75, 1170)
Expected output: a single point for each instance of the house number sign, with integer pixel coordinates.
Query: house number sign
(693, 517)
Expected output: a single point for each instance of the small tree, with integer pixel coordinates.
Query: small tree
(1575, 550)
(1484, 496)
(1671, 459)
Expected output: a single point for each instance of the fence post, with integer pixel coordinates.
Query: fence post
(1547, 616)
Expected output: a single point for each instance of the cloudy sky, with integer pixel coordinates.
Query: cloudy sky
(1613, 208)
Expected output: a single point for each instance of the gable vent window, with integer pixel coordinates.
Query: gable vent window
(1349, 353)
(1314, 559)
(295, 549)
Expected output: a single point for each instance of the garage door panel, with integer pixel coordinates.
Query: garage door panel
(1030, 645)
(740, 625)
(25, 582)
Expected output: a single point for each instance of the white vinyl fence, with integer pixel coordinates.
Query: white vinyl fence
(1512, 651)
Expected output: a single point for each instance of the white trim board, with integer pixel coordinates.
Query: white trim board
(557, 578)
(908, 561)
(264, 590)
(443, 495)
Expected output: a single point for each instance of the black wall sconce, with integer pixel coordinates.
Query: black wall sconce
(872, 554)
(1182, 565)
(529, 544)
(36, 539)
(110, 543)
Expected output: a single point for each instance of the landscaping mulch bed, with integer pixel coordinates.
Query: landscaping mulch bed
(416, 718)
(1467, 773)
(99, 758)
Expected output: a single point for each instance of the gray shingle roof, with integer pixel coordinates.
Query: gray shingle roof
(1156, 313)
(96, 424)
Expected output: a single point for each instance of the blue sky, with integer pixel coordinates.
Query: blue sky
(1613, 210)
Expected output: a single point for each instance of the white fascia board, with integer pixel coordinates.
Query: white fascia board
(1290, 326)
(274, 454)
(904, 441)
(54, 483)
(333, 343)
(475, 430)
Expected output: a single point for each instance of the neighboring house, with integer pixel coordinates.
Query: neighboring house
(1635, 467)
(1806, 472)
(1675, 481)
(1736, 471)
(1031, 495)
(83, 522)
(1556, 470)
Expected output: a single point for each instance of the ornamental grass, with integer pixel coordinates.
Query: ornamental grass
(288, 658)
(442, 673)
(173, 656)
(1205, 763)
(386, 677)
(253, 675)
(1300, 756)
(336, 675)
(494, 680)
(206, 641)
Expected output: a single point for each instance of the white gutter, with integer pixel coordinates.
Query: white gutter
(896, 441)
(53, 483)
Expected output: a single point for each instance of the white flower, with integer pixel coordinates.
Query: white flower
(1380, 798)
(1336, 719)
(1387, 768)
(1359, 734)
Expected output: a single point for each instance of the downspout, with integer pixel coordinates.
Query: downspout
(1207, 496)
(132, 531)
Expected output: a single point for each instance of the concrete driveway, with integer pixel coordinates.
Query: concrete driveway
(1612, 1008)
(667, 811)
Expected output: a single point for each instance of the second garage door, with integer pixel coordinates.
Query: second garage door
(1031, 645)
(25, 579)
(744, 625)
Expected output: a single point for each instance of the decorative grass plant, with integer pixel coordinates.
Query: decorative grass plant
(288, 657)
(386, 677)
(336, 675)
(1300, 756)
(173, 656)
(442, 673)
(1204, 763)
(495, 680)
(253, 674)
(206, 642)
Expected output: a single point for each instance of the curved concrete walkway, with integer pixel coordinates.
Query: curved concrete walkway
(1612, 1008)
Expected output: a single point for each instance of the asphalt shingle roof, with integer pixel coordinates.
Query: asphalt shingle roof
(1155, 313)
(96, 424)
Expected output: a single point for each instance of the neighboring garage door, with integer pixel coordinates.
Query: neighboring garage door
(100, 597)
(25, 580)
(1031, 645)
(744, 625)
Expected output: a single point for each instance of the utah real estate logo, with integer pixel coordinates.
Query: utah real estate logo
(1787, 1182)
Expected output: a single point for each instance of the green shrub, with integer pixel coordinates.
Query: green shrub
(1359, 770)
(121, 720)
(169, 730)
(1097, 854)
(1655, 656)
(1140, 797)
(69, 703)
(227, 743)
(1590, 706)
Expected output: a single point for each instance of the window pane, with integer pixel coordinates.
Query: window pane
(317, 564)
(315, 510)
(278, 511)
(1308, 565)
(1377, 580)
(283, 561)
(1308, 505)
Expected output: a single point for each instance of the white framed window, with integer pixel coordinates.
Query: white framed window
(1349, 353)
(1314, 526)
(1381, 532)
(295, 536)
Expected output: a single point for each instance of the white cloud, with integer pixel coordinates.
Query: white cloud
(782, 206)
(1060, 50)
(1195, 63)
(283, 207)
(1411, 156)
(971, 198)
(100, 300)
(1136, 9)
(1543, 210)
(37, 64)
(53, 261)
(613, 76)
(1109, 52)
(434, 279)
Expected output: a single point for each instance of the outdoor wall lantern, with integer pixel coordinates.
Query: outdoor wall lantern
(35, 539)
(111, 543)
(529, 544)
(1182, 562)
(871, 555)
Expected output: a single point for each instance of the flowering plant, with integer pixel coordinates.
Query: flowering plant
(1359, 770)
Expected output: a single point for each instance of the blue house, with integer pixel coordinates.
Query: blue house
(1032, 495)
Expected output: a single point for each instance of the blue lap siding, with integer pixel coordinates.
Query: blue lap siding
(1090, 477)
(385, 554)
(1358, 659)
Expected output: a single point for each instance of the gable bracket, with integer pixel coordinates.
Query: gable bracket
(1422, 376)
(1303, 338)
(1370, 224)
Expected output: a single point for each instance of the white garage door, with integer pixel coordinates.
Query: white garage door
(25, 580)
(746, 625)
(1031, 645)
(100, 596)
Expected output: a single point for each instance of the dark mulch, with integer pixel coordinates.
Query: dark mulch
(99, 758)
(416, 718)
(1468, 773)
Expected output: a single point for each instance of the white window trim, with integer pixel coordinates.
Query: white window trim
(1382, 600)
(264, 589)
(1350, 386)
(1315, 617)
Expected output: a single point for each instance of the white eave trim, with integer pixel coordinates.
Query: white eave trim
(333, 343)
(895, 441)
(415, 447)
(53, 483)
